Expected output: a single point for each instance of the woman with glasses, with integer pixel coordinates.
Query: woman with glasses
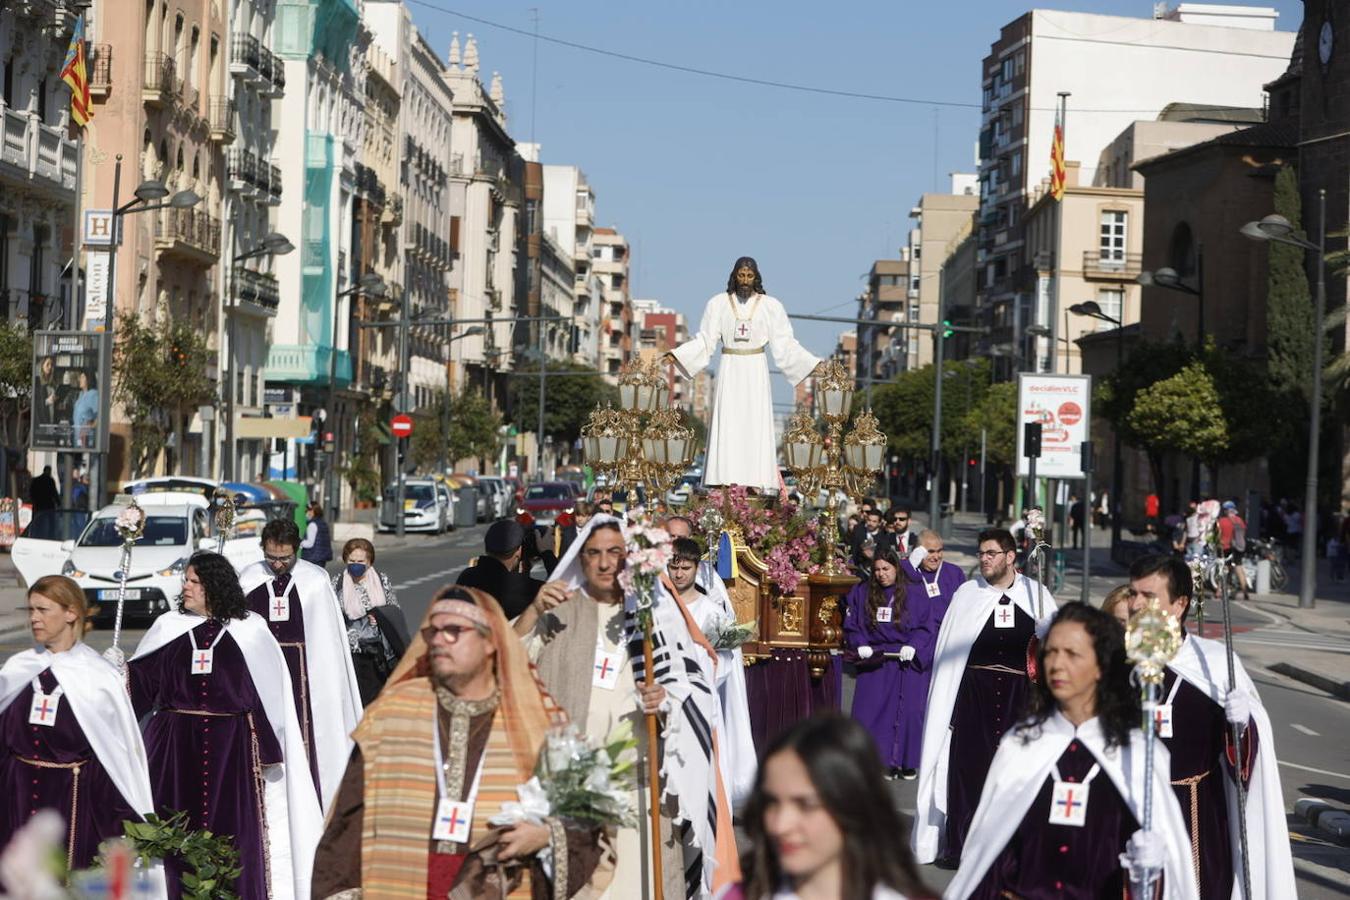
(377, 634)
(222, 735)
(68, 735)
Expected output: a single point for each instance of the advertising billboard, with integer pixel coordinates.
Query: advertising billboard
(67, 398)
(1063, 406)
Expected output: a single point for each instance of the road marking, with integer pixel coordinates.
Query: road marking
(1305, 729)
(444, 573)
(1314, 770)
(1244, 639)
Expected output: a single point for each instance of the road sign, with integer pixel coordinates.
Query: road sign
(401, 426)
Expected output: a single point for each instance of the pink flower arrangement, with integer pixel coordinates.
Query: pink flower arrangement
(649, 554)
(786, 537)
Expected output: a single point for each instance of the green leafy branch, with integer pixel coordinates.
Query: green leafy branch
(210, 861)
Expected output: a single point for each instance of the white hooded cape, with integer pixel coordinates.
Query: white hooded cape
(1019, 771)
(966, 617)
(334, 698)
(294, 822)
(1204, 663)
(689, 774)
(736, 756)
(98, 699)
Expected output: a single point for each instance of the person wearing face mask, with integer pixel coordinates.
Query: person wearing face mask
(222, 734)
(297, 601)
(377, 634)
(69, 741)
(1062, 809)
(499, 570)
(588, 649)
(981, 676)
(821, 823)
(746, 322)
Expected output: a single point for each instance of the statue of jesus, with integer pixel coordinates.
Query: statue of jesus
(747, 321)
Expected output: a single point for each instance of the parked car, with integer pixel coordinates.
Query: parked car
(619, 498)
(427, 506)
(545, 500)
(495, 494)
(45, 545)
(680, 494)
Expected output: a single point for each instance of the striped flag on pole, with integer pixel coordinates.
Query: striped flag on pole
(1057, 173)
(75, 73)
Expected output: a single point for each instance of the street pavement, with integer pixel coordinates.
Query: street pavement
(1296, 657)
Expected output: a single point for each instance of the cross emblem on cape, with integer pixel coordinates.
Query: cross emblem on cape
(1069, 803)
(742, 330)
(44, 711)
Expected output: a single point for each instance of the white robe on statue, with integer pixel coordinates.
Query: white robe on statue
(1204, 663)
(741, 446)
(1020, 769)
(970, 609)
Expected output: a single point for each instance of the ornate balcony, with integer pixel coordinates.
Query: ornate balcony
(222, 120)
(1117, 267)
(100, 70)
(189, 234)
(246, 57)
(258, 289)
(273, 183)
(161, 82)
(39, 152)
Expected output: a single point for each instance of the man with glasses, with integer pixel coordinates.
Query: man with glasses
(898, 527)
(980, 681)
(296, 600)
(439, 755)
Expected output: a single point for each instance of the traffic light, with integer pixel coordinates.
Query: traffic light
(947, 330)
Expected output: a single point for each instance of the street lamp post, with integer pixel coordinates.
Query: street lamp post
(1278, 229)
(1093, 310)
(273, 244)
(148, 196)
(373, 285)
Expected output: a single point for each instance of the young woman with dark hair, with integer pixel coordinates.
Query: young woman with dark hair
(821, 822)
(882, 618)
(1062, 809)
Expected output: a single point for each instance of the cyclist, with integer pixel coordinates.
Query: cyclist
(1233, 541)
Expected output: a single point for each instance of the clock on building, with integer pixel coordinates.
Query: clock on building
(1326, 39)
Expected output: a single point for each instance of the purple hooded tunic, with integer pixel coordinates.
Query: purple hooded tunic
(94, 813)
(890, 696)
(207, 743)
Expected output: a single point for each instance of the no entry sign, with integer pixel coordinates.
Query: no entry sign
(401, 426)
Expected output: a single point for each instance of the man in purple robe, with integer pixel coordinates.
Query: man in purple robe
(980, 680)
(296, 600)
(1196, 721)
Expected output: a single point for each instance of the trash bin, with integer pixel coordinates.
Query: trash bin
(945, 521)
(466, 507)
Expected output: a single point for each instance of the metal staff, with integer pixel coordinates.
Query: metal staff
(1151, 640)
(130, 525)
(224, 501)
(1236, 731)
(653, 766)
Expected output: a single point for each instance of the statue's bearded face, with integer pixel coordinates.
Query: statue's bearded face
(745, 278)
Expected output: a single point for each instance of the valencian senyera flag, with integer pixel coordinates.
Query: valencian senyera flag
(1057, 173)
(75, 72)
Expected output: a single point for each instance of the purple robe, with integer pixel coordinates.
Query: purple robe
(207, 743)
(1065, 862)
(1202, 764)
(890, 696)
(988, 703)
(80, 790)
(290, 634)
(915, 679)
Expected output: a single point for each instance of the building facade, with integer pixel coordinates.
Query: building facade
(937, 219)
(881, 352)
(609, 261)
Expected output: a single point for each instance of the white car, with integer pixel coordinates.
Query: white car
(498, 494)
(427, 506)
(683, 491)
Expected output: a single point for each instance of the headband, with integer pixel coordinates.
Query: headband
(462, 608)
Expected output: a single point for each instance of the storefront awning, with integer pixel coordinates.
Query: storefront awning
(258, 427)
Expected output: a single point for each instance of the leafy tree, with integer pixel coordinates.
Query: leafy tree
(16, 380)
(1289, 310)
(996, 414)
(363, 468)
(1182, 414)
(160, 371)
(1147, 363)
(452, 428)
(568, 399)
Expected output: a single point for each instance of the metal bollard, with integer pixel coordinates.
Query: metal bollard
(1262, 577)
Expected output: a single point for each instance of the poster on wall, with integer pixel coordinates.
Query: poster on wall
(1063, 406)
(67, 398)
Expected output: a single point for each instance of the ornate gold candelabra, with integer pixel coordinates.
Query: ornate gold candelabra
(644, 442)
(830, 460)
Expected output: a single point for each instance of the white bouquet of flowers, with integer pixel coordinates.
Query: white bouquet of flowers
(725, 633)
(130, 523)
(577, 781)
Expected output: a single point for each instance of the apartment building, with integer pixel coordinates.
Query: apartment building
(569, 216)
(609, 261)
(1043, 53)
(937, 219)
(660, 330)
(486, 178)
(38, 162)
(881, 352)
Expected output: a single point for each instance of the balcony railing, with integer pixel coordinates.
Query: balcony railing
(160, 81)
(100, 70)
(257, 288)
(1116, 267)
(273, 184)
(188, 233)
(222, 120)
(39, 150)
(245, 55)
